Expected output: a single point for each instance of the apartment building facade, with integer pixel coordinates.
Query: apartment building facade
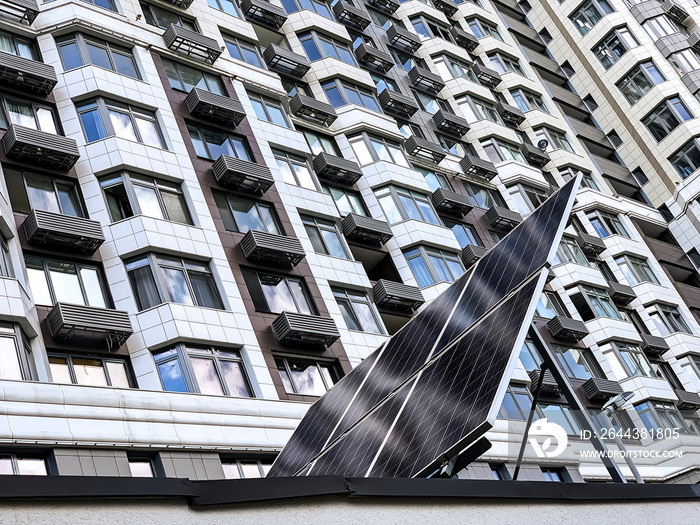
(213, 210)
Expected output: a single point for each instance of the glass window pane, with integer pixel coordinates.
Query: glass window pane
(303, 174)
(98, 56)
(150, 134)
(20, 113)
(141, 469)
(40, 191)
(46, 121)
(300, 297)
(70, 56)
(176, 207)
(92, 124)
(176, 289)
(307, 378)
(31, 467)
(332, 241)
(9, 361)
(171, 376)
(89, 372)
(250, 469)
(366, 318)
(231, 470)
(123, 127)
(205, 290)
(38, 282)
(59, 370)
(68, 199)
(235, 378)
(93, 287)
(420, 271)
(66, 285)
(144, 286)
(148, 201)
(207, 377)
(125, 65)
(117, 374)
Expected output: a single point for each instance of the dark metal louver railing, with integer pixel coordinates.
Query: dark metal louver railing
(40, 147)
(562, 327)
(366, 229)
(191, 43)
(293, 328)
(242, 175)
(337, 169)
(270, 248)
(265, 12)
(73, 321)
(312, 109)
(42, 226)
(225, 110)
(396, 295)
(27, 73)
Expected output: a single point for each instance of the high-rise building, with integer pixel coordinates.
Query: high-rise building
(211, 211)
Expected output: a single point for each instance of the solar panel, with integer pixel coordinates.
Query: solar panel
(519, 255)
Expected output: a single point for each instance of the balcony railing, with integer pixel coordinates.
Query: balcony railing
(590, 244)
(270, 248)
(446, 6)
(190, 43)
(675, 11)
(224, 110)
(451, 202)
(487, 76)
(337, 169)
(472, 165)
(27, 73)
(74, 321)
(472, 253)
(422, 78)
(45, 227)
(567, 328)
(350, 15)
(40, 147)
(292, 328)
(687, 400)
(549, 384)
(465, 40)
(398, 36)
(599, 390)
(534, 155)
(374, 57)
(398, 103)
(182, 4)
(366, 229)
(510, 114)
(264, 12)
(386, 5)
(242, 175)
(22, 11)
(450, 123)
(500, 216)
(621, 293)
(654, 345)
(311, 109)
(396, 295)
(419, 147)
(285, 61)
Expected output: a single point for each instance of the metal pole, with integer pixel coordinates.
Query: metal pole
(605, 416)
(540, 381)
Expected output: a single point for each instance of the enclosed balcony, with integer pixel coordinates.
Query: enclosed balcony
(419, 147)
(687, 400)
(74, 321)
(386, 5)
(390, 294)
(599, 390)
(510, 114)
(366, 229)
(590, 244)
(270, 248)
(34, 146)
(350, 15)
(446, 6)
(264, 12)
(566, 328)
(313, 110)
(27, 73)
(422, 78)
(534, 155)
(653, 344)
(450, 202)
(400, 37)
(374, 57)
(45, 227)
(242, 175)
(450, 123)
(22, 11)
(675, 11)
(473, 165)
(500, 216)
(621, 293)
(285, 61)
(463, 39)
(224, 110)
(192, 44)
(336, 169)
(398, 104)
(472, 253)
(292, 328)
(549, 384)
(487, 76)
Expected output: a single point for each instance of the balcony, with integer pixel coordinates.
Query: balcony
(424, 79)
(465, 40)
(27, 73)
(510, 114)
(75, 321)
(311, 109)
(549, 384)
(270, 248)
(291, 328)
(390, 294)
(285, 61)
(446, 6)
(590, 244)
(599, 390)
(224, 110)
(387, 5)
(487, 76)
(687, 400)
(400, 37)
(419, 147)
(336, 169)
(674, 11)
(350, 15)
(22, 11)
(451, 202)
(621, 293)
(374, 57)
(473, 165)
(692, 80)
(397, 104)
(39, 147)
(192, 44)
(264, 12)
(450, 123)
(472, 253)
(45, 227)
(653, 345)
(500, 216)
(567, 328)
(534, 155)
(242, 175)
(366, 229)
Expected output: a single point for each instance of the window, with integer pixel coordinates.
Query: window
(317, 6)
(245, 468)
(660, 26)
(6, 269)
(157, 279)
(106, 118)
(31, 191)
(666, 117)
(320, 143)
(639, 81)
(636, 270)
(318, 46)
(428, 28)
(619, 419)
(105, 4)
(141, 467)
(295, 169)
(530, 357)
(53, 281)
(431, 265)
(357, 311)
(89, 370)
(500, 471)
(628, 360)
(404, 60)
(570, 252)
(203, 369)
(499, 150)
(159, 17)
(685, 61)
(578, 363)
(324, 236)
(557, 139)
(506, 64)
(475, 109)
(613, 46)
(527, 100)
(400, 204)
(606, 224)
(18, 45)
(300, 376)
(549, 306)
(380, 19)
(29, 114)
(593, 302)
(211, 143)
(561, 414)
(244, 51)
(227, 6)
(527, 198)
(657, 415)
(130, 194)
(668, 319)
(241, 215)
(341, 93)
(431, 104)
(383, 83)
(588, 181)
(23, 465)
(482, 197)
(347, 201)
(465, 233)
(481, 28)
(78, 50)
(558, 474)
(449, 67)
(14, 353)
(452, 146)
(272, 293)
(516, 403)
(687, 159)
(294, 87)
(373, 148)
(184, 78)
(269, 110)
(589, 14)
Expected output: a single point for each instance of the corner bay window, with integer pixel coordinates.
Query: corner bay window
(211, 143)
(527, 100)
(614, 45)
(666, 117)
(240, 215)
(89, 370)
(570, 252)
(78, 50)
(667, 319)
(589, 14)
(318, 46)
(636, 269)
(53, 281)
(475, 109)
(162, 18)
(347, 201)
(244, 51)
(657, 415)
(341, 93)
(320, 143)
(317, 6)
(527, 198)
(357, 311)
(300, 376)
(606, 224)
(400, 204)
(465, 233)
(106, 118)
(32, 191)
(229, 7)
(593, 302)
(483, 197)
(432, 265)
(516, 403)
(156, 279)
(639, 81)
(506, 64)
(578, 363)
(687, 159)
(268, 109)
(295, 169)
(498, 150)
(324, 236)
(373, 148)
(273, 293)
(627, 360)
(449, 67)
